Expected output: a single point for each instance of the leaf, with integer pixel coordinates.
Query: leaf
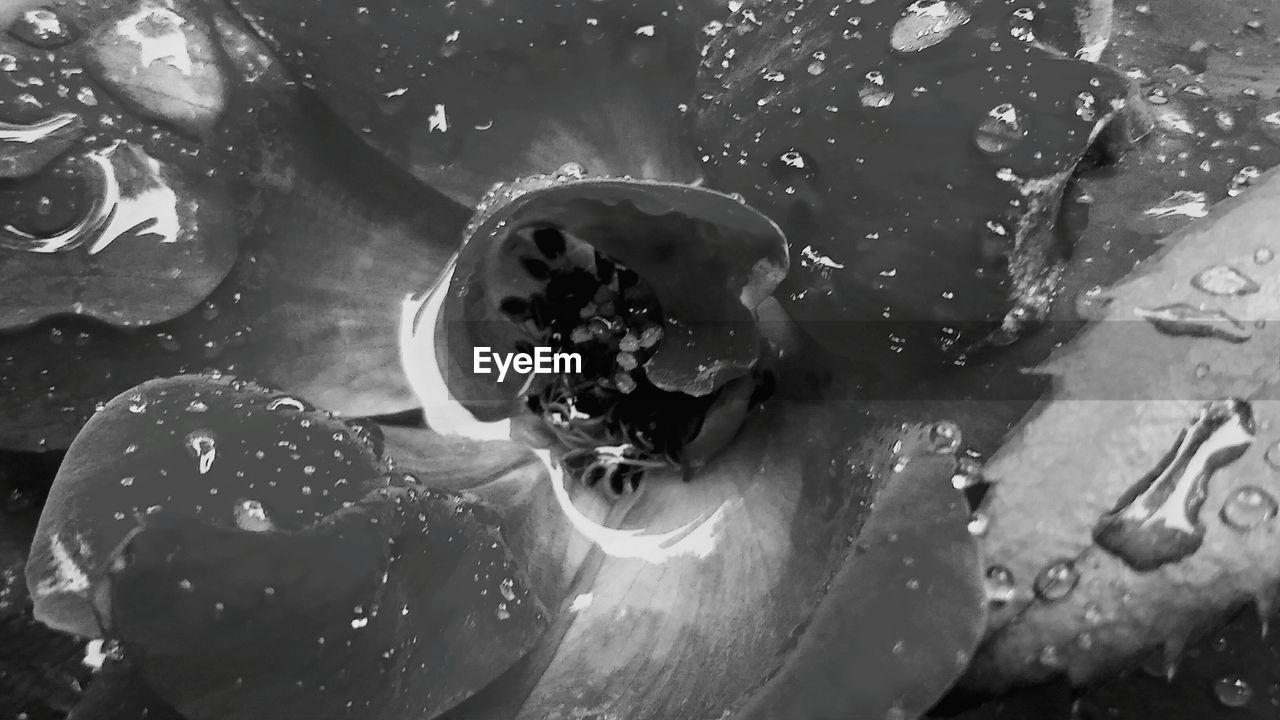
(1124, 390)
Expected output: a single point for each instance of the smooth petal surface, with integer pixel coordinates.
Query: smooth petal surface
(278, 568)
(1142, 541)
(468, 94)
(335, 238)
(760, 610)
(914, 154)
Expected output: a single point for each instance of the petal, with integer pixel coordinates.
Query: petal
(105, 216)
(469, 94)
(337, 237)
(916, 157)
(871, 628)
(279, 569)
(709, 260)
(118, 692)
(1148, 548)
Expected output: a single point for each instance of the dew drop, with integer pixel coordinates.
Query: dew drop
(945, 437)
(202, 445)
(1000, 130)
(251, 515)
(1248, 507)
(42, 28)
(1272, 456)
(1224, 280)
(1263, 255)
(816, 68)
(503, 613)
(1056, 581)
(1086, 107)
(1243, 180)
(86, 96)
(873, 93)
(999, 585)
(1232, 691)
(1021, 26)
(926, 23)
(793, 159)
(288, 403)
(138, 404)
(196, 406)
(507, 588)
(979, 524)
(1184, 320)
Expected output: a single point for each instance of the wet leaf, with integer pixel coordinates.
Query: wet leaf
(919, 184)
(1183, 528)
(597, 84)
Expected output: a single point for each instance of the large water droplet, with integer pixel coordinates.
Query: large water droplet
(288, 403)
(999, 585)
(1057, 580)
(945, 437)
(1183, 320)
(250, 515)
(1022, 25)
(202, 446)
(1232, 691)
(1243, 179)
(1263, 255)
(1086, 107)
(42, 28)
(1224, 280)
(507, 588)
(1000, 130)
(979, 524)
(926, 23)
(1247, 507)
(138, 404)
(873, 93)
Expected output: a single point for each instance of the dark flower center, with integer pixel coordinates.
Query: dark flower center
(615, 422)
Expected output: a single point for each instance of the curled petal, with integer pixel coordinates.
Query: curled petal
(915, 156)
(600, 84)
(279, 567)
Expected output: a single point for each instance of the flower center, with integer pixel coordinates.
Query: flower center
(614, 420)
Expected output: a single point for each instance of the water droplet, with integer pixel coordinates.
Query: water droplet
(571, 171)
(1092, 304)
(42, 28)
(507, 588)
(873, 93)
(1022, 25)
(1202, 371)
(1086, 107)
(816, 68)
(1247, 507)
(138, 404)
(1243, 179)
(999, 585)
(203, 447)
(979, 524)
(1224, 280)
(502, 612)
(1183, 320)
(1000, 130)
(9, 63)
(926, 23)
(288, 403)
(196, 406)
(1050, 656)
(1057, 580)
(86, 96)
(1263, 255)
(793, 159)
(250, 515)
(1232, 691)
(945, 437)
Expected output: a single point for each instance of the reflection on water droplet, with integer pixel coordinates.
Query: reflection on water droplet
(42, 28)
(1183, 320)
(1000, 130)
(1243, 179)
(945, 437)
(287, 403)
(926, 23)
(1247, 507)
(979, 524)
(1232, 691)
(1224, 280)
(999, 585)
(202, 446)
(250, 515)
(1086, 107)
(1056, 581)
(873, 93)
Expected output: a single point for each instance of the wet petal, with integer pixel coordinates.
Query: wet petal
(105, 216)
(279, 567)
(335, 238)
(1167, 523)
(598, 84)
(918, 181)
(665, 639)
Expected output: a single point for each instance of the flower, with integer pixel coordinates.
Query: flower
(829, 529)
